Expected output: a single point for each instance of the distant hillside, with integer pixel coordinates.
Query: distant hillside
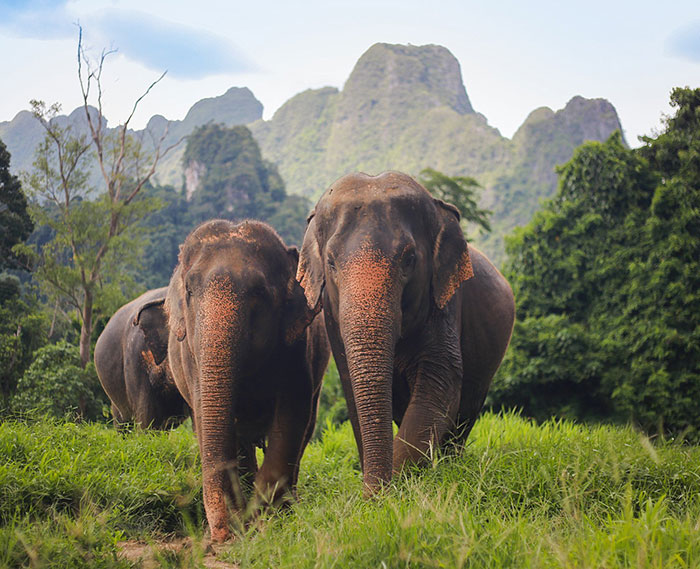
(236, 106)
(402, 108)
(406, 108)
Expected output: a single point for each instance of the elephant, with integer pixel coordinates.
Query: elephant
(418, 320)
(248, 356)
(131, 362)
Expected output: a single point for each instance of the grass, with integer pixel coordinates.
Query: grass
(519, 495)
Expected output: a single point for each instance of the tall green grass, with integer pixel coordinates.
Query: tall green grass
(518, 495)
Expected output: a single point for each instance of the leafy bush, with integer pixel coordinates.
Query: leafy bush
(56, 384)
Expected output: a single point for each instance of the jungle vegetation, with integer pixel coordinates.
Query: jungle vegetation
(607, 284)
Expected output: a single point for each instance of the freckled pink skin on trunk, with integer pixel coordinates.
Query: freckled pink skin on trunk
(219, 322)
(367, 303)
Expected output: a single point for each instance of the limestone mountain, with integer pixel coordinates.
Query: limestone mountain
(237, 106)
(403, 107)
(406, 108)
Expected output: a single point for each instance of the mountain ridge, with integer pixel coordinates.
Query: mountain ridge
(403, 107)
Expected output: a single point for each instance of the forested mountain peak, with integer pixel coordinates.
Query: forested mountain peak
(402, 77)
(403, 107)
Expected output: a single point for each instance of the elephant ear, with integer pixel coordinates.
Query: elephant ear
(297, 312)
(310, 270)
(174, 304)
(451, 263)
(153, 322)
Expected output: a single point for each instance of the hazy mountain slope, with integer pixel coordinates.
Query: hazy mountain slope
(236, 106)
(406, 108)
(544, 140)
(403, 108)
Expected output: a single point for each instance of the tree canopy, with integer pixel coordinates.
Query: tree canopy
(607, 285)
(460, 191)
(15, 223)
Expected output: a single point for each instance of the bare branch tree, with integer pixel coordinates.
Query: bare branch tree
(93, 230)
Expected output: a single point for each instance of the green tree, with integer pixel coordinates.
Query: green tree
(15, 223)
(22, 331)
(460, 191)
(607, 284)
(56, 383)
(94, 232)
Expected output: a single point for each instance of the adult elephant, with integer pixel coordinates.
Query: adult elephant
(131, 362)
(418, 321)
(246, 357)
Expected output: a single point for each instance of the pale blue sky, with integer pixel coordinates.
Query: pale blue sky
(515, 56)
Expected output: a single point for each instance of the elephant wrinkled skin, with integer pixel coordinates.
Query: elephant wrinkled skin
(248, 356)
(418, 321)
(131, 362)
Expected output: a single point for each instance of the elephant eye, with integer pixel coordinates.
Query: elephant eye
(409, 260)
(331, 264)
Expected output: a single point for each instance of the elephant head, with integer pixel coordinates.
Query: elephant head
(152, 320)
(232, 302)
(379, 254)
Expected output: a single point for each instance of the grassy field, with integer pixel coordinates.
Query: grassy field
(519, 495)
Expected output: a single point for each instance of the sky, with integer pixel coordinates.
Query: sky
(514, 56)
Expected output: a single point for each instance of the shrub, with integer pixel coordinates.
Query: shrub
(56, 384)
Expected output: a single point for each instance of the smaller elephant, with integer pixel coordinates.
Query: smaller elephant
(248, 357)
(131, 362)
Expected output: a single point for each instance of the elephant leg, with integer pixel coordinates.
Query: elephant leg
(247, 464)
(120, 423)
(431, 413)
(285, 443)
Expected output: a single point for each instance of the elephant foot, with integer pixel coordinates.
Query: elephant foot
(219, 534)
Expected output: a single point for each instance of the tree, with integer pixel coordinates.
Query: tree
(460, 191)
(94, 231)
(607, 284)
(22, 331)
(15, 222)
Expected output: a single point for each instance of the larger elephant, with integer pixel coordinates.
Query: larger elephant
(247, 358)
(418, 320)
(131, 362)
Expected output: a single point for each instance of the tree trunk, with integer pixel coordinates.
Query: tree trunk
(86, 329)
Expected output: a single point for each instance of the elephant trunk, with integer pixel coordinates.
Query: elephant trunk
(368, 326)
(219, 348)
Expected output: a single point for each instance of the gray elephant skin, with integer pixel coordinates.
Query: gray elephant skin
(248, 357)
(418, 320)
(131, 362)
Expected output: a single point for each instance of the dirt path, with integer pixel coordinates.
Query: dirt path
(179, 552)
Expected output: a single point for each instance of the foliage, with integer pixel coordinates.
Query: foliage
(22, 330)
(519, 495)
(15, 223)
(236, 183)
(165, 229)
(56, 384)
(460, 191)
(607, 281)
(332, 409)
(92, 239)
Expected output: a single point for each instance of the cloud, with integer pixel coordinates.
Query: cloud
(685, 42)
(184, 51)
(37, 19)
